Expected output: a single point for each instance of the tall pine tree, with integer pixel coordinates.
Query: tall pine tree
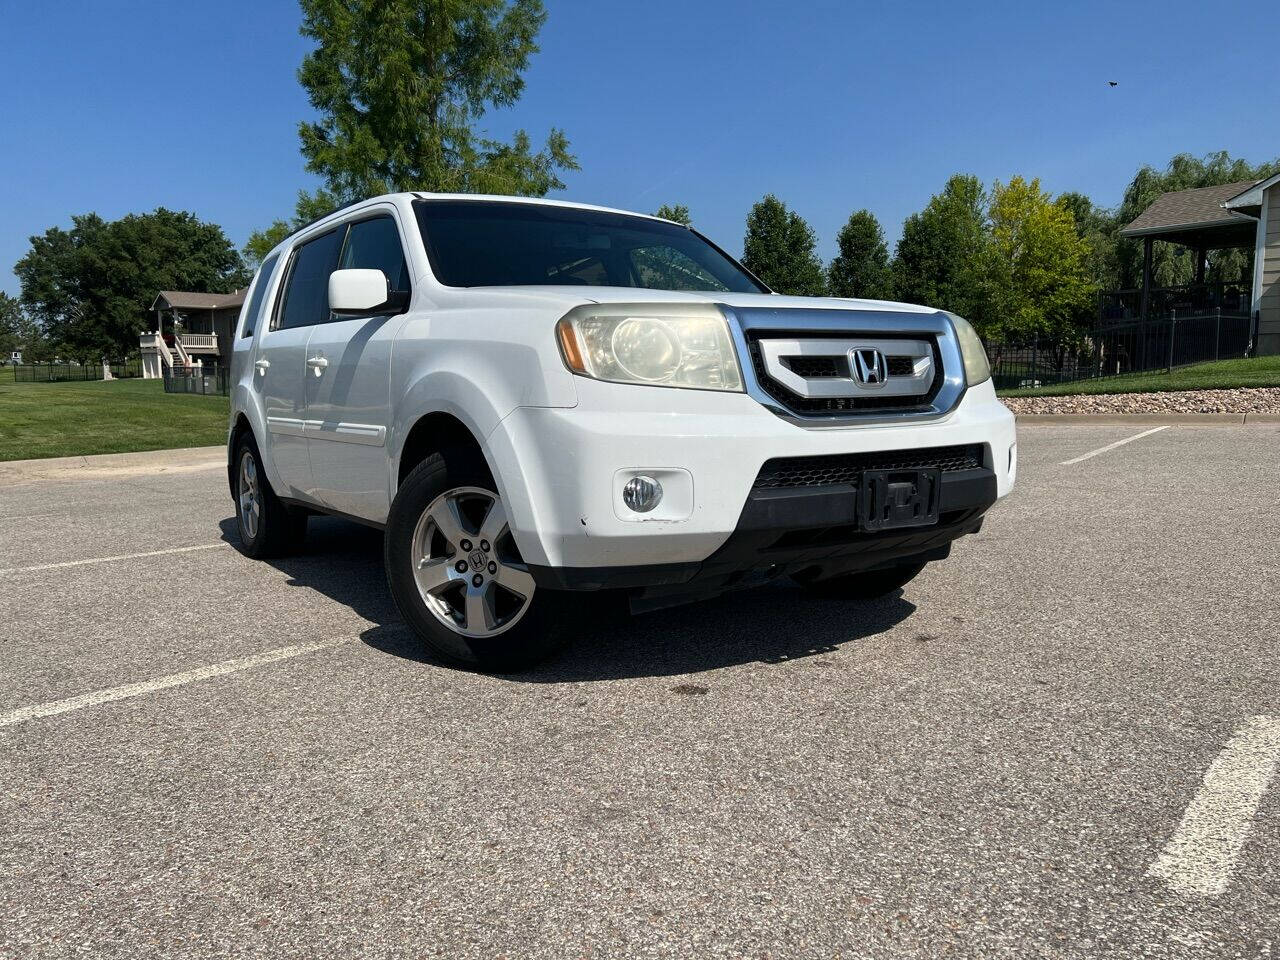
(399, 86)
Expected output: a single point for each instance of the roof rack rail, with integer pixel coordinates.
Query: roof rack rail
(328, 213)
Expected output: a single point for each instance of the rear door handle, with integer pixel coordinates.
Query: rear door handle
(317, 364)
(261, 365)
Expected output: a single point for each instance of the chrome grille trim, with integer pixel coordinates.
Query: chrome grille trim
(765, 323)
(917, 384)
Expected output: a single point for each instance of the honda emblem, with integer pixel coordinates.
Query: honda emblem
(869, 367)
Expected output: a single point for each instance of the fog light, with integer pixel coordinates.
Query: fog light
(642, 494)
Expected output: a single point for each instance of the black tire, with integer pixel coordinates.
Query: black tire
(864, 585)
(277, 529)
(541, 627)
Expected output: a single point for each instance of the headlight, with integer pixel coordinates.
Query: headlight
(669, 345)
(976, 366)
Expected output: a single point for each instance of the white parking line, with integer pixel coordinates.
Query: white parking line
(1112, 446)
(97, 697)
(1201, 856)
(123, 556)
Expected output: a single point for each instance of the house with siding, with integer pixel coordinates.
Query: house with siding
(192, 330)
(1244, 215)
(1262, 202)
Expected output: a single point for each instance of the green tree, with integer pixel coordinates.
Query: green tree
(939, 258)
(1037, 267)
(1099, 229)
(262, 242)
(861, 268)
(779, 249)
(399, 85)
(19, 332)
(678, 213)
(1173, 264)
(309, 208)
(89, 288)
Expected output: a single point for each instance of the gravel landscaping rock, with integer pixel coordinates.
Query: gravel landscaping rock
(1242, 400)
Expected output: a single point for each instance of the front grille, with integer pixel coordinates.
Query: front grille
(811, 367)
(898, 365)
(848, 467)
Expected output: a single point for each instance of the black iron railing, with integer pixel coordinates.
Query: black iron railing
(1119, 348)
(1119, 306)
(208, 381)
(55, 372)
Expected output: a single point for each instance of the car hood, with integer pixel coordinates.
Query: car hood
(570, 297)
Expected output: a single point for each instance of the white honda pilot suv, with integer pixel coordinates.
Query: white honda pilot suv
(536, 400)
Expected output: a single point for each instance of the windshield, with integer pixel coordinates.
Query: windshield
(481, 243)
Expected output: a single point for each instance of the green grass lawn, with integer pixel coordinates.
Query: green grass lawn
(1219, 375)
(73, 419)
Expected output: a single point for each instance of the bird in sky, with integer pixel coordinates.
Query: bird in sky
(1112, 83)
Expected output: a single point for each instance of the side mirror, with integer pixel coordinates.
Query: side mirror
(357, 291)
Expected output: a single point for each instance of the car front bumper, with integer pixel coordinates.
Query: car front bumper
(560, 472)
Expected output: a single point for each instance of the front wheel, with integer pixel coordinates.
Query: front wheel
(867, 585)
(457, 575)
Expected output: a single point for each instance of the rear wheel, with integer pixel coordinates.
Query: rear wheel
(865, 585)
(268, 527)
(457, 575)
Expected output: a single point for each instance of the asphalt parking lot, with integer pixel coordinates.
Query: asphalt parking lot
(1059, 742)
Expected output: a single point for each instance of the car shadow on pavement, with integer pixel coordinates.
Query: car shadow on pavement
(770, 624)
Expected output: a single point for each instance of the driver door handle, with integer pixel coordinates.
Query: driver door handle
(317, 364)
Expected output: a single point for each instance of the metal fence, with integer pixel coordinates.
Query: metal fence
(58, 372)
(1116, 349)
(209, 381)
(1188, 300)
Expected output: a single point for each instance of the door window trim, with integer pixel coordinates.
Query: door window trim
(252, 318)
(365, 217)
(283, 291)
(345, 226)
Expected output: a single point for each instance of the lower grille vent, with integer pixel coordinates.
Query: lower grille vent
(848, 467)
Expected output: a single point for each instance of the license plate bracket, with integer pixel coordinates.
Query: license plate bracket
(895, 499)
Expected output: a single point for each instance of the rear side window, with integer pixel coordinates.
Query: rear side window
(305, 301)
(259, 294)
(375, 245)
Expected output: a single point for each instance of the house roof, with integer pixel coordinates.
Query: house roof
(1185, 215)
(186, 300)
(1250, 200)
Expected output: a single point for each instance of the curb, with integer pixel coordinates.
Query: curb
(180, 460)
(1148, 419)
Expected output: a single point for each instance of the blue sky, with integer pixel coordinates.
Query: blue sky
(117, 107)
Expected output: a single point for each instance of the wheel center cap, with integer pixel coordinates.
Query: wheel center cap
(477, 560)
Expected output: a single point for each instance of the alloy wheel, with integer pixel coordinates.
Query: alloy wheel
(250, 496)
(465, 562)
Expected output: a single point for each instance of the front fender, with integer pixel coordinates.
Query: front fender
(246, 401)
(441, 391)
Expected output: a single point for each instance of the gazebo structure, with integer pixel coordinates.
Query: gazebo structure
(1244, 215)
